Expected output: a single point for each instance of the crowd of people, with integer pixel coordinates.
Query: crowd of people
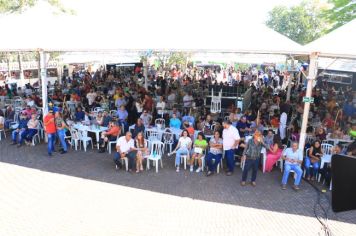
(176, 98)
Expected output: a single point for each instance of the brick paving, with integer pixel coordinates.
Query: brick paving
(82, 194)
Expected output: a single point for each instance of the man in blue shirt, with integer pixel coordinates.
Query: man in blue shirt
(20, 129)
(243, 127)
(293, 159)
(349, 109)
(122, 115)
(79, 115)
(107, 119)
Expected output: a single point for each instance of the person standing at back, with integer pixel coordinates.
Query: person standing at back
(50, 128)
(231, 140)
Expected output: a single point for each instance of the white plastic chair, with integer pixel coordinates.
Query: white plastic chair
(160, 123)
(111, 143)
(327, 150)
(156, 154)
(215, 106)
(2, 131)
(168, 140)
(83, 137)
(74, 138)
(152, 135)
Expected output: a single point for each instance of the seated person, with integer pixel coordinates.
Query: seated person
(142, 149)
(189, 128)
(293, 159)
(110, 135)
(122, 115)
(243, 127)
(125, 148)
(139, 127)
(352, 131)
(79, 114)
(183, 147)
(99, 118)
(106, 119)
(189, 119)
(312, 159)
(200, 144)
(274, 153)
(215, 152)
(174, 122)
(146, 118)
(20, 129)
(275, 122)
(32, 129)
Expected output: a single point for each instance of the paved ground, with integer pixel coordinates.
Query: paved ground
(81, 194)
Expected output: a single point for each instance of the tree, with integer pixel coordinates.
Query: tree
(302, 23)
(341, 12)
(18, 6)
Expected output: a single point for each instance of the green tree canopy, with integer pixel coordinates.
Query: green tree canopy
(341, 12)
(18, 6)
(302, 23)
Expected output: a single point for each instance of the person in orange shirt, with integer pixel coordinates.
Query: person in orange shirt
(111, 135)
(50, 128)
(275, 122)
(189, 128)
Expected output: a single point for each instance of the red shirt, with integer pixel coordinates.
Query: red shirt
(49, 124)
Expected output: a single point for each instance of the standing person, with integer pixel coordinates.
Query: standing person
(61, 131)
(231, 140)
(216, 148)
(283, 125)
(251, 157)
(293, 158)
(50, 128)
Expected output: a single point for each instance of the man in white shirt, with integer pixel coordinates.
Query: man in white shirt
(125, 148)
(91, 97)
(283, 125)
(231, 140)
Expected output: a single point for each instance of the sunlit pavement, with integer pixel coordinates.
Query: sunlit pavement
(82, 194)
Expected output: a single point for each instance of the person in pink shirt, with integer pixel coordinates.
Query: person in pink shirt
(274, 153)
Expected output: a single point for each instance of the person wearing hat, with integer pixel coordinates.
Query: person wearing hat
(50, 128)
(251, 157)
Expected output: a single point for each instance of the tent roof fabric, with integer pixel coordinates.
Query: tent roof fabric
(338, 43)
(116, 33)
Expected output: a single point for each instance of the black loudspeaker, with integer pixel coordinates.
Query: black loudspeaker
(343, 169)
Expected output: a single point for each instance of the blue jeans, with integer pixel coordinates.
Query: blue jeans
(15, 134)
(230, 159)
(61, 134)
(296, 168)
(131, 156)
(212, 165)
(27, 135)
(51, 140)
(315, 168)
(180, 151)
(126, 125)
(250, 163)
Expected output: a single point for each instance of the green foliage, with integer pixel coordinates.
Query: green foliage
(302, 23)
(341, 12)
(311, 19)
(18, 6)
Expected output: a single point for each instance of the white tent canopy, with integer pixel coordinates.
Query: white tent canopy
(129, 30)
(338, 43)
